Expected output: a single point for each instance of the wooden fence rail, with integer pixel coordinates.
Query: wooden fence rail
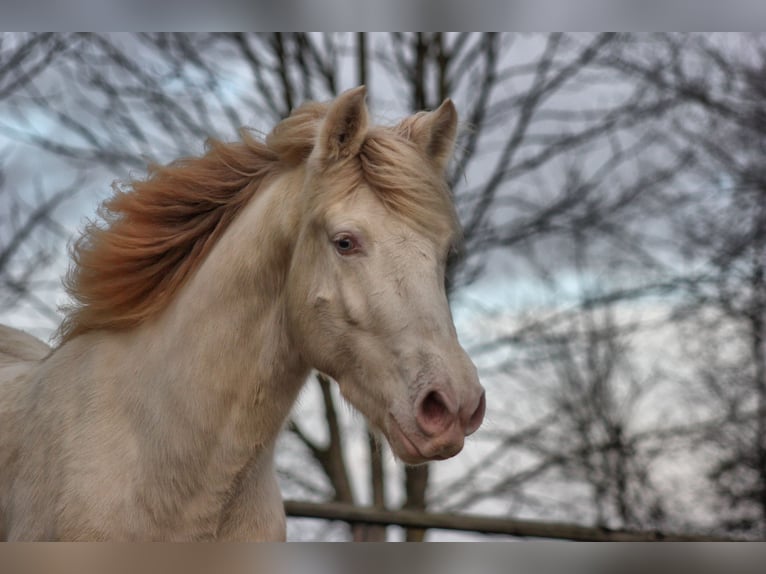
(483, 524)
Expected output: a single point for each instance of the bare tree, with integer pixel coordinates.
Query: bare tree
(30, 234)
(719, 224)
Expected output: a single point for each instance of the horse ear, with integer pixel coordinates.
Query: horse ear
(345, 126)
(434, 133)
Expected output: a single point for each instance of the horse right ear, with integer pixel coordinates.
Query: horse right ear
(344, 127)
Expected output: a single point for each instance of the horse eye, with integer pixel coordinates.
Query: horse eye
(344, 244)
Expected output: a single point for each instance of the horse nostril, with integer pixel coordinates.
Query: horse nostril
(433, 407)
(433, 413)
(478, 415)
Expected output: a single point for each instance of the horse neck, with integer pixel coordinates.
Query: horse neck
(217, 367)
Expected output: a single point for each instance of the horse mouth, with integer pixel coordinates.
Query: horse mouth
(406, 449)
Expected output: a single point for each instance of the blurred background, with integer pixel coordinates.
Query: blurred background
(612, 285)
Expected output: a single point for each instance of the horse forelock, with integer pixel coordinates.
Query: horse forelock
(155, 233)
(407, 184)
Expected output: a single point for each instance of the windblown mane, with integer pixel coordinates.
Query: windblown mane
(157, 231)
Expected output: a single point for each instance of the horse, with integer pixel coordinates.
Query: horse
(204, 295)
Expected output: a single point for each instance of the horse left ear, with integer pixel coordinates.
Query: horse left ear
(434, 132)
(344, 127)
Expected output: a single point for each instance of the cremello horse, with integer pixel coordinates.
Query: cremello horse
(201, 303)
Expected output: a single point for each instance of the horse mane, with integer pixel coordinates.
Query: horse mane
(156, 232)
